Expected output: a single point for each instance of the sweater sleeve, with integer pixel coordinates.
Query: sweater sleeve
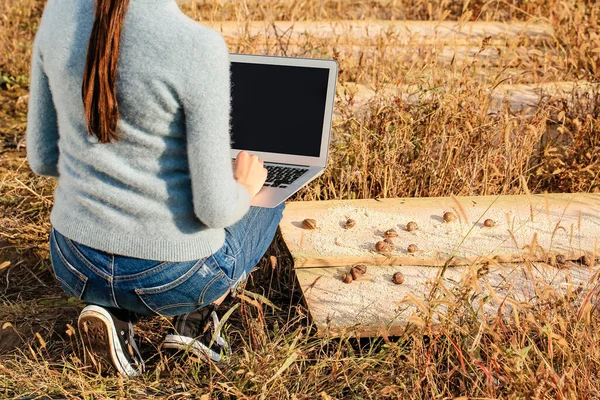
(42, 123)
(219, 201)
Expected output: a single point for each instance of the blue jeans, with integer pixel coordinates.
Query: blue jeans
(154, 287)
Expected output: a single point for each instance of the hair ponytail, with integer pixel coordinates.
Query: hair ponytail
(99, 90)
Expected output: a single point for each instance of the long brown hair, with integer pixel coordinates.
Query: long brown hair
(99, 90)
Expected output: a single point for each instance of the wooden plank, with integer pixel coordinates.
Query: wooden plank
(521, 97)
(415, 54)
(395, 42)
(373, 305)
(518, 97)
(527, 228)
(392, 32)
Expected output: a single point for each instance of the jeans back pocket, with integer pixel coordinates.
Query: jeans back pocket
(185, 291)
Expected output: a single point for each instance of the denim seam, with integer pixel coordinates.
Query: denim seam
(234, 261)
(175, 283)
(234, 240)
(139, 275)
(228, 256)
(146, 304)
(220, 269)
(208, 285)
(69, 266)
(111, 265)
(214, 265)
(78, 295)
(159, 310)
(82, 258)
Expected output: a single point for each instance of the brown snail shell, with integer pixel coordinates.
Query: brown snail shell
(398, 278)
(390, 234)
(350, 223)
(449, 217)
(347, 278)
(309, 223)
(561, 259)
(489, 223)
(357, 271)
(382, 246)
(412, 226)
(360, 268)
(412, 248)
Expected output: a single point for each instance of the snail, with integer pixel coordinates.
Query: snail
(398, 278)
(382, 247)
(309, 223)
(449, 217)
(347, 278)
(390, 233)
(360, 268)
(412, 226)
(412, 248)
(350, 223)
(357, 272)
(489, 223)
(561, 259)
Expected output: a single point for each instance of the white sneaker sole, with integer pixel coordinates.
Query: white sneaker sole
(187, 344)
(95, 320)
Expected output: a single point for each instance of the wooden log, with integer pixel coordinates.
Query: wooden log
(534, 228)
(374, 306)
(390, 32)
(423, 54)
(523, 97)
(518, 97)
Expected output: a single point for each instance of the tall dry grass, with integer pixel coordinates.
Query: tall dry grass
(447, 143)
(444, 143)
(18, 23)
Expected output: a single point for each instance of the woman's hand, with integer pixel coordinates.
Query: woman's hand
(249, 171)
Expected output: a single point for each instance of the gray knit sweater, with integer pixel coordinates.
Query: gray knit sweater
(166, 190)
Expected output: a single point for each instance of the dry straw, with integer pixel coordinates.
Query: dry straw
(435, 140)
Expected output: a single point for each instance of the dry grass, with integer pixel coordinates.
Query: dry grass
(443, 144)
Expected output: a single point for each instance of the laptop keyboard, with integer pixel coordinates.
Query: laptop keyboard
(280, 176)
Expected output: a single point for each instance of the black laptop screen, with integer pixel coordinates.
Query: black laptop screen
(278, 109)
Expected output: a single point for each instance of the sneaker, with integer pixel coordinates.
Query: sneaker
(198, 333)
(110, 338)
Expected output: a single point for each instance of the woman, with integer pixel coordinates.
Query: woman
(129, 109)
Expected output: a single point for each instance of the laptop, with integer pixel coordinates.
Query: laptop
(281, 111)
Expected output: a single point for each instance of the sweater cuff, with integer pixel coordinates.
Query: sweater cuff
(243, 204)
(44, 170)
